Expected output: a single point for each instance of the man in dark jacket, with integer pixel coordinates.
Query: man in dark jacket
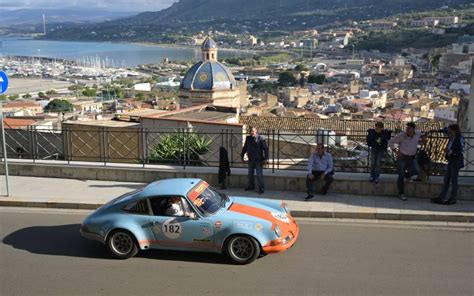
(455, 158)
(377, 140)
(257, 153)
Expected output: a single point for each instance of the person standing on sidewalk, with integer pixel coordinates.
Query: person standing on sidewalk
(256, 149)
(454, 155)
(407, 147)
(320, 167)
(377, 140)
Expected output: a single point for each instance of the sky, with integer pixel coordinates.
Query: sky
(114, 5)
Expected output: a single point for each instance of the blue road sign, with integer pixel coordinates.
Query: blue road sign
(3, 82)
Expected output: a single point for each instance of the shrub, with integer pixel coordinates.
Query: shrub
(179, 147)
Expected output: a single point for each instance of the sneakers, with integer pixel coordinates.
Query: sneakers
(376, 181)
(403, 197)
(310, 196)
(249, 188)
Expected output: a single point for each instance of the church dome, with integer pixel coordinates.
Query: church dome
(208, 43)
(208, 75)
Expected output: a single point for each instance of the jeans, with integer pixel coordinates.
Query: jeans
(375, 163)
(451, 176)
(317, 176)
(405, 163)
(256, 166)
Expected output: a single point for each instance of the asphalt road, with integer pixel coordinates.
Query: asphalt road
(42, 253)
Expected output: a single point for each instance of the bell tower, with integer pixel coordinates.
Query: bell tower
(209, 50)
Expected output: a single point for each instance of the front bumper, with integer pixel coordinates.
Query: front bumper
(86, 233)
(283, 244)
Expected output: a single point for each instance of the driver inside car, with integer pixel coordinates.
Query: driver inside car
(174, 207)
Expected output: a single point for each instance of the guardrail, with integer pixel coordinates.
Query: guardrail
(188, 147)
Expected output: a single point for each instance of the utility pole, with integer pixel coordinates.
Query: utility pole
(4, 147)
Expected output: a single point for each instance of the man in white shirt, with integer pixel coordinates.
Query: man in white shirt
(320, 166)
(174, 207)
(407, 143)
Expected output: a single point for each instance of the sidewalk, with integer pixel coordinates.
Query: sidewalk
(80, 194)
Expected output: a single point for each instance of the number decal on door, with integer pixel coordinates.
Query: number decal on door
(172, 229)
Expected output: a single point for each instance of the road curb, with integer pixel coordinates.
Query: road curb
(370, 215)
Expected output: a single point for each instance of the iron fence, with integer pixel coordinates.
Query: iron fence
(187, 147)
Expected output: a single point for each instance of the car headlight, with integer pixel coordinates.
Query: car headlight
(284, 205)
(277, 231)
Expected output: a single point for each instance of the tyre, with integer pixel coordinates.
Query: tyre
(242, 249)
(122, 244)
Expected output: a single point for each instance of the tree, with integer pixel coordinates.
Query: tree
(140, 96)
(58, 105)
(41, 94)
(300, 67)
(3, 97)
(286, 79)
(318, 79)
(89, 92)
(119, 93)
(51, 92)
(13, 97)
(26, 96)
(75, 87)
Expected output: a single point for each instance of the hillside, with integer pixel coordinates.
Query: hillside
(304, 10)
(262, 17)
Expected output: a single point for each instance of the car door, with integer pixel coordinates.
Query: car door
(184, 231)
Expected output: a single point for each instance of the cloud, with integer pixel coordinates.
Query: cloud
(113, 5)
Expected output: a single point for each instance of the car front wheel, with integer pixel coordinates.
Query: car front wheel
(242, 249)
(121, 244)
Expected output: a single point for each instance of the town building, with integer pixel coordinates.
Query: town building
(211, 82)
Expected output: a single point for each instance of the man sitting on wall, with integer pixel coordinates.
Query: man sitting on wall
(320, 167)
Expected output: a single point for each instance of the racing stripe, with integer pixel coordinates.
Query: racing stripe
(253, 211)
(263, 214)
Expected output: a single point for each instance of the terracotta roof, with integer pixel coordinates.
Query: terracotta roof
(311, 124)
(13, 123)
(21, 105)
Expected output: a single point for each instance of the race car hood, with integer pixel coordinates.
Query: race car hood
(269, 211)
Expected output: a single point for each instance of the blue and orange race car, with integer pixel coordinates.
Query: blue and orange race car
(189, 215)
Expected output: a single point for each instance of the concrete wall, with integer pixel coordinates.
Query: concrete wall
(281, 180)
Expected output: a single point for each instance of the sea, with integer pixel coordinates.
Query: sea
(111, 54)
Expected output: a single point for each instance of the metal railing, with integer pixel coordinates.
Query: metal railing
(186, 147)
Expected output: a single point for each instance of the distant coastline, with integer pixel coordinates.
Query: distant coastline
(115, 54)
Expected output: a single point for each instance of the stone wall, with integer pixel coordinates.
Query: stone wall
(356, 184)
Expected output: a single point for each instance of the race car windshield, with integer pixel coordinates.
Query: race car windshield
(209, 201)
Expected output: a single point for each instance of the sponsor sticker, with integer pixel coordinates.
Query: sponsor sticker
(206, 231)
(172, 229)
(243, 225)
(196, 191)
(201, 240)
(258, 227)
(218, 225)
(281, 217)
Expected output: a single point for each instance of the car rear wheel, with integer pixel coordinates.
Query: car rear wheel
(242, 249)
(122, 244)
